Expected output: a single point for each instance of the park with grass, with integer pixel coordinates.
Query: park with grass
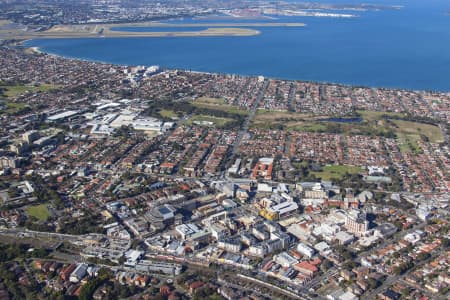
(219, 104)
(410, 133)
(12, 108)
(9, 92)
(217, 121)
(167, 113)
(267, 119)
(385, 124)
(39, 212)
(335, 172)
(13, 91)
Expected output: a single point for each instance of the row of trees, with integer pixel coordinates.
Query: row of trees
(45, 194)
(12, 251)
(10, 257)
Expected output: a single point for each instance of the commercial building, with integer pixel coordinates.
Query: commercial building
(62, 116)
(78, 273)
(263, 169)
(30, 136)
(306, 268)
(152, 266)
(344, 238)
(285, 260)
(356, 222)
(231, 245)
(147, 124)
(305, 250)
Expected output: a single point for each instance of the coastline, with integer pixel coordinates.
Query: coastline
(336, 64)
(38, 50)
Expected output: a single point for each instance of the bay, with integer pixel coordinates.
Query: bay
(407, 48)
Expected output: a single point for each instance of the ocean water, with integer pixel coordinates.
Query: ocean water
(407, 48)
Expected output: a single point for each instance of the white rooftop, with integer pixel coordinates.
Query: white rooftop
(63, 115)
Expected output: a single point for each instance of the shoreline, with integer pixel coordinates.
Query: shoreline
(38, 50)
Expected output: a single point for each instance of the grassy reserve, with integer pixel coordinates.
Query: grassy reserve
(10, 92)
(40, 212)
(13, 91)
(386, 124)
(11, 108)
(408, 128)
(409, 133)
(371, 116)
(218, 121)
(167, 113)
(267, 119)
(218, 104)
(306, 127)
(330, 172)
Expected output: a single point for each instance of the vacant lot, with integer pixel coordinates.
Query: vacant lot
(166, 113)
(336, 171)
(40, 212)
(327, 289)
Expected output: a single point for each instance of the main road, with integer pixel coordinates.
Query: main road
(251, 115)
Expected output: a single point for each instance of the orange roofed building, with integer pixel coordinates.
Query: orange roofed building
(263, 169)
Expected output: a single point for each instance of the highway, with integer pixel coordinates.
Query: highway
(291, 97)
